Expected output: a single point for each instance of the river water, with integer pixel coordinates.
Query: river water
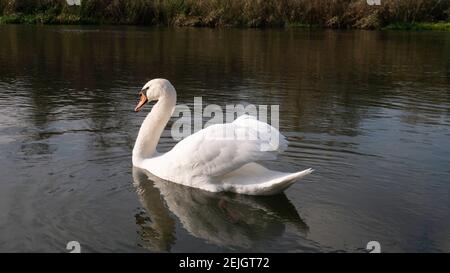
(368, 110)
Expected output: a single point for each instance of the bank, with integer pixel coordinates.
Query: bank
(338, 14)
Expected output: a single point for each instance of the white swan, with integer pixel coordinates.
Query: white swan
(210, 159)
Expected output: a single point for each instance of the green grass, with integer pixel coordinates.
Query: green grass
(301, 25)
(10, 19)
(49, 19)
(440, 26)
(68, 19)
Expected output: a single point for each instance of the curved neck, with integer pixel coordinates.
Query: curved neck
(152, 128)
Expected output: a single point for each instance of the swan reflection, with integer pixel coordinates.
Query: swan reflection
(223, 219)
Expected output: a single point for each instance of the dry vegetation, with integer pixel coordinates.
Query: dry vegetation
(236, 13)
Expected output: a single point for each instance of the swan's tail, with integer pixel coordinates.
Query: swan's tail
(280, 184)
(254, 179)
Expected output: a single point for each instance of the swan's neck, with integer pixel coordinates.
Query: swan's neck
(152, 128)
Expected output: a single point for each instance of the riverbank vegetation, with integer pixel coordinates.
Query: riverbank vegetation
(391, 14)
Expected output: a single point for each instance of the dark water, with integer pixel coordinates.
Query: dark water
(369, 111)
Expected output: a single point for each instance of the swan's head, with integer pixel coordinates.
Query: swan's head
(155, 90)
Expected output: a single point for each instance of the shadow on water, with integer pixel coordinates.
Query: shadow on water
(227, 220)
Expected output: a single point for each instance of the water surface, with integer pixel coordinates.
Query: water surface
(368, 110)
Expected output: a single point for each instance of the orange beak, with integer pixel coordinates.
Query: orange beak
(142, 101)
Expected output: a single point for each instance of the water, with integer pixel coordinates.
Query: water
(369, 111)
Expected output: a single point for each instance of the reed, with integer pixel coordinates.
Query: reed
(426, 14)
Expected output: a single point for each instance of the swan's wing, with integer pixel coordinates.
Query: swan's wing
(222, 148)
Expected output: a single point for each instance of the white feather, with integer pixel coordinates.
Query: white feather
(218, 158)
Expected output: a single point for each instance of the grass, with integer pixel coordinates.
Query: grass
(301, 25)
(391, 14)
(440, 26)
(42, 18)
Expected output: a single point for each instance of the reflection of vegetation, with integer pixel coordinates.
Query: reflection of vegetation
(306, 72)
(249, 13)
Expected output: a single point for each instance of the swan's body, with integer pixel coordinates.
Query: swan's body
(215, 158)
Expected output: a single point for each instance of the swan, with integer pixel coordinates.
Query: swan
(210, 159)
